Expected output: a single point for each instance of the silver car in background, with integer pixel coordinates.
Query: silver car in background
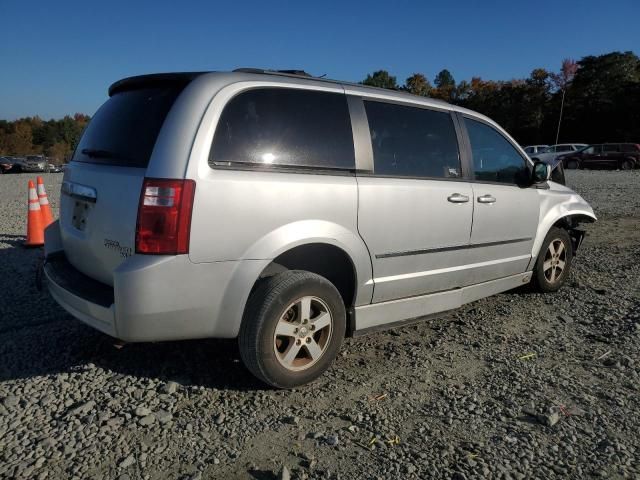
(289, 211)
(532, 150)
(550, 154)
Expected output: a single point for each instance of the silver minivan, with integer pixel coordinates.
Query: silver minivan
(289, 212)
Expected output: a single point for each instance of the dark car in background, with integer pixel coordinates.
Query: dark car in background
(11, 165)
(623, 156)
(5, 164)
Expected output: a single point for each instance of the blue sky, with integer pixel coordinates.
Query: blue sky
(59, 57)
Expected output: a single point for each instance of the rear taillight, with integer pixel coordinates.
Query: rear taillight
(164, 216)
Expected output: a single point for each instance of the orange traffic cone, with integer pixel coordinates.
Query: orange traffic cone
(35, 229)
(47, 216)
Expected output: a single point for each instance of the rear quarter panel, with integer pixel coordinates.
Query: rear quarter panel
(243, 215)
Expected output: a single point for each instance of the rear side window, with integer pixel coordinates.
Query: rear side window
(611, 148)
(124, 129)
(494, 158)
(285, 127)
(628, 147)
(594, 149)
(412, 142)
(564, 148)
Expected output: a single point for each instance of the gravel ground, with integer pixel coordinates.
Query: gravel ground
(519, 385)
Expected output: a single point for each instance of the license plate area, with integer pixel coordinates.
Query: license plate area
(80, 214)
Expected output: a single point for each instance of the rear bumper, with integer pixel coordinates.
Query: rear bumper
(100, 317)
(154, 298)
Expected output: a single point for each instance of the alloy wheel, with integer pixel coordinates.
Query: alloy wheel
(303, 333)
(554, 261)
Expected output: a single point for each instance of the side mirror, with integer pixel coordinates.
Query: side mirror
(541, 172)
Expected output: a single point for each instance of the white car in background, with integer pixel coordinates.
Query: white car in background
(535, 149)
(549, 155)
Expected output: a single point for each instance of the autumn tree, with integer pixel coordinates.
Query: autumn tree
(58, 152)
(418, 84)
(30, 135)
(562, 81)
(20, 140)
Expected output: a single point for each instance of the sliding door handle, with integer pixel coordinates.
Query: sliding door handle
(487, 199)
(458, 198)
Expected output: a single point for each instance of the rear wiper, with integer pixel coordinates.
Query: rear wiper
(97, 153)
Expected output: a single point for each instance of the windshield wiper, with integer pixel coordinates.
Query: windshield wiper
(97, 153)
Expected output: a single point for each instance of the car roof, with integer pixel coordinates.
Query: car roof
(183, 78)
(292, 78)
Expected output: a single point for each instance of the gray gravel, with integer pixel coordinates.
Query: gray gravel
(519, 385)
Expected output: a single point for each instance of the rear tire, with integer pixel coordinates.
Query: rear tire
(626, 165)
(292, 329)
(573, 165)
(554, 261)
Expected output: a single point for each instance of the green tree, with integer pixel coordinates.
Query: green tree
(381, 79)
(418, 84)
(445, 86)
(444, 79)
(599, 104)
(535, 106)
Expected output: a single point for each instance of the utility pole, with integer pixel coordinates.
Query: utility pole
(560, 119)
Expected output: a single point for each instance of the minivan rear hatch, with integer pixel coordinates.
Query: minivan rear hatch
(102, 184)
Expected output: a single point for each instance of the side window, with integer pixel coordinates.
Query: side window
(494, 158)
(285, 127)
(530, 150)
(412, 142)
(611, 148)
(564, 148)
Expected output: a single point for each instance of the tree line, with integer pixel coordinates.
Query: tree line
(33, 136)
(599, 97)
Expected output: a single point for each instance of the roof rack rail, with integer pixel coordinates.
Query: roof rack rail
(298, 73)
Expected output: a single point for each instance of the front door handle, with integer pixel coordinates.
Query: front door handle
(458, 198)
(487, 199)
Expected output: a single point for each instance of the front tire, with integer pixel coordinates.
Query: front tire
(292, 329)
(554, 261)
(573, 165)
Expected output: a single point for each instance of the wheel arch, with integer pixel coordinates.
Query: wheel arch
(562, 212)
(567, 222)
(325, 259)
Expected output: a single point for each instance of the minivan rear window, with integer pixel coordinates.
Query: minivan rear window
(283, 127)
(124, 129)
